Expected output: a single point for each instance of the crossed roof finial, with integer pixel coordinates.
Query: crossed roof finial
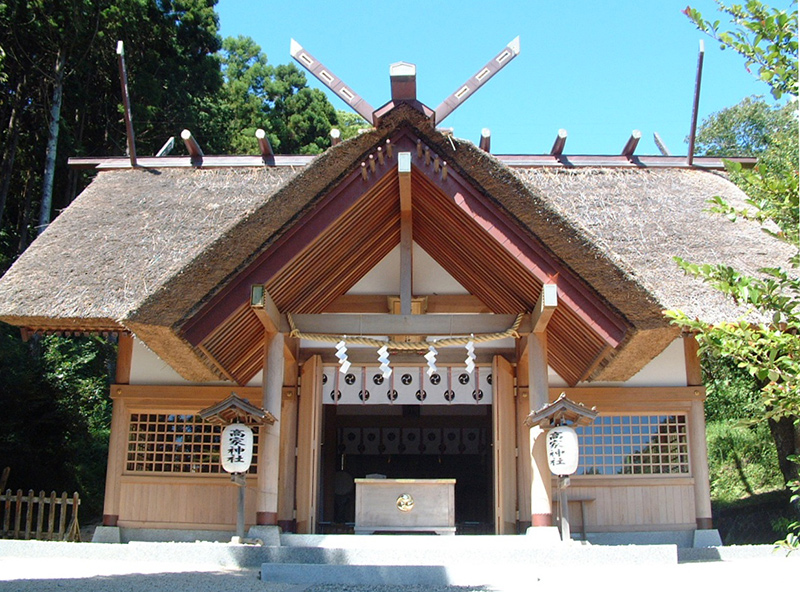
(404, 85)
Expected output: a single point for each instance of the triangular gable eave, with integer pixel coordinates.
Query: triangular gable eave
(409, 132)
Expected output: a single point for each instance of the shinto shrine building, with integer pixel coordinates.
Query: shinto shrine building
(239, 275)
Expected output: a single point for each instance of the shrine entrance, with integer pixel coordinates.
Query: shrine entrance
(409, 426)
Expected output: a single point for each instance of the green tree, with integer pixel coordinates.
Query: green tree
(751, 128)
(350, 124)
(768, 350)
(297, 119)
(765, 36)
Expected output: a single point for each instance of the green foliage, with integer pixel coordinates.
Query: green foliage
(350, 124)
(255, 94)
(768, 351)
(749, 128)
(766, 37)
(742, 460)
(170, 48)
(732, 395)
(56, 416)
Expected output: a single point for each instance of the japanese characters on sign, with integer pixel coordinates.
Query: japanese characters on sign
(562, 450)
(236, 448)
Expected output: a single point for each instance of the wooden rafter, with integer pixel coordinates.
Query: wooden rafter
(560, 142)
(544, 309)
(630, 145)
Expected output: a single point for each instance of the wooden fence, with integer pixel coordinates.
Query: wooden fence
(23, 516)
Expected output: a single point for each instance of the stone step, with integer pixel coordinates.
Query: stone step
(468, 561)
(461, 554)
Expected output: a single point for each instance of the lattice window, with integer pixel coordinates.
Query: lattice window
(634, 445)
(173, 443)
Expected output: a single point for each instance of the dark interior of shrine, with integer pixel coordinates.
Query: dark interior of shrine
(408, 442)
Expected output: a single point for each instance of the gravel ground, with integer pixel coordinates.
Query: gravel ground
(85, 575)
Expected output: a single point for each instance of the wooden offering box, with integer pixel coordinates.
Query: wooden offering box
(405, 505)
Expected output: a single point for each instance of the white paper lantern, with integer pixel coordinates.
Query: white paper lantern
(562, 450)
(236, 448)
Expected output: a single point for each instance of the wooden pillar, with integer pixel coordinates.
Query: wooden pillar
(124, 358)
(286, 475)
(117, 445)
(309, 425)
(541, 486)
(504, 420)
(698, 449)
(269, 443)
(523, 440)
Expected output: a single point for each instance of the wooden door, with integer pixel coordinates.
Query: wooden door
(309, 427)
(504, 435)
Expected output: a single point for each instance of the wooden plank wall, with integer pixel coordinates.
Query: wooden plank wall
(190, 503)
(614, 504)
(171, 501)
(659, 504)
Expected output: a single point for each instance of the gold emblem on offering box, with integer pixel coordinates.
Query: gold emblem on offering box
(405, 503)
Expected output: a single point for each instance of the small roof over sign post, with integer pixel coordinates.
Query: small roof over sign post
(562, 411)
(234, 409)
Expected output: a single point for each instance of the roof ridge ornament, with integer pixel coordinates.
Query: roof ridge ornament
(403, 77)
(333, 82)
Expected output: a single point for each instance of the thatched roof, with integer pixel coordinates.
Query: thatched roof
(145, 249)
(126, 235)
(641, 219)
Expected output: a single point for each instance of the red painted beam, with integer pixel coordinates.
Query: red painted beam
(285, 248)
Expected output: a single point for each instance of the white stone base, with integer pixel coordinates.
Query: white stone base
(543, 535)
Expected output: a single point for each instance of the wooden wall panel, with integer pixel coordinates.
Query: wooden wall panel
(632, 506)
(194, 502)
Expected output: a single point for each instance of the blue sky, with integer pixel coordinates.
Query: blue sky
(598, 69)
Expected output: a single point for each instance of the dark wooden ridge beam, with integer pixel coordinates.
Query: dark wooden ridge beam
(164, 162)
(333, 82)
(652, 161)
(466, 90)
(558, 145)
(630, 145)
(512, 160)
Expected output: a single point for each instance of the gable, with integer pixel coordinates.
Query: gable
(171, 254)
(353, 228)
